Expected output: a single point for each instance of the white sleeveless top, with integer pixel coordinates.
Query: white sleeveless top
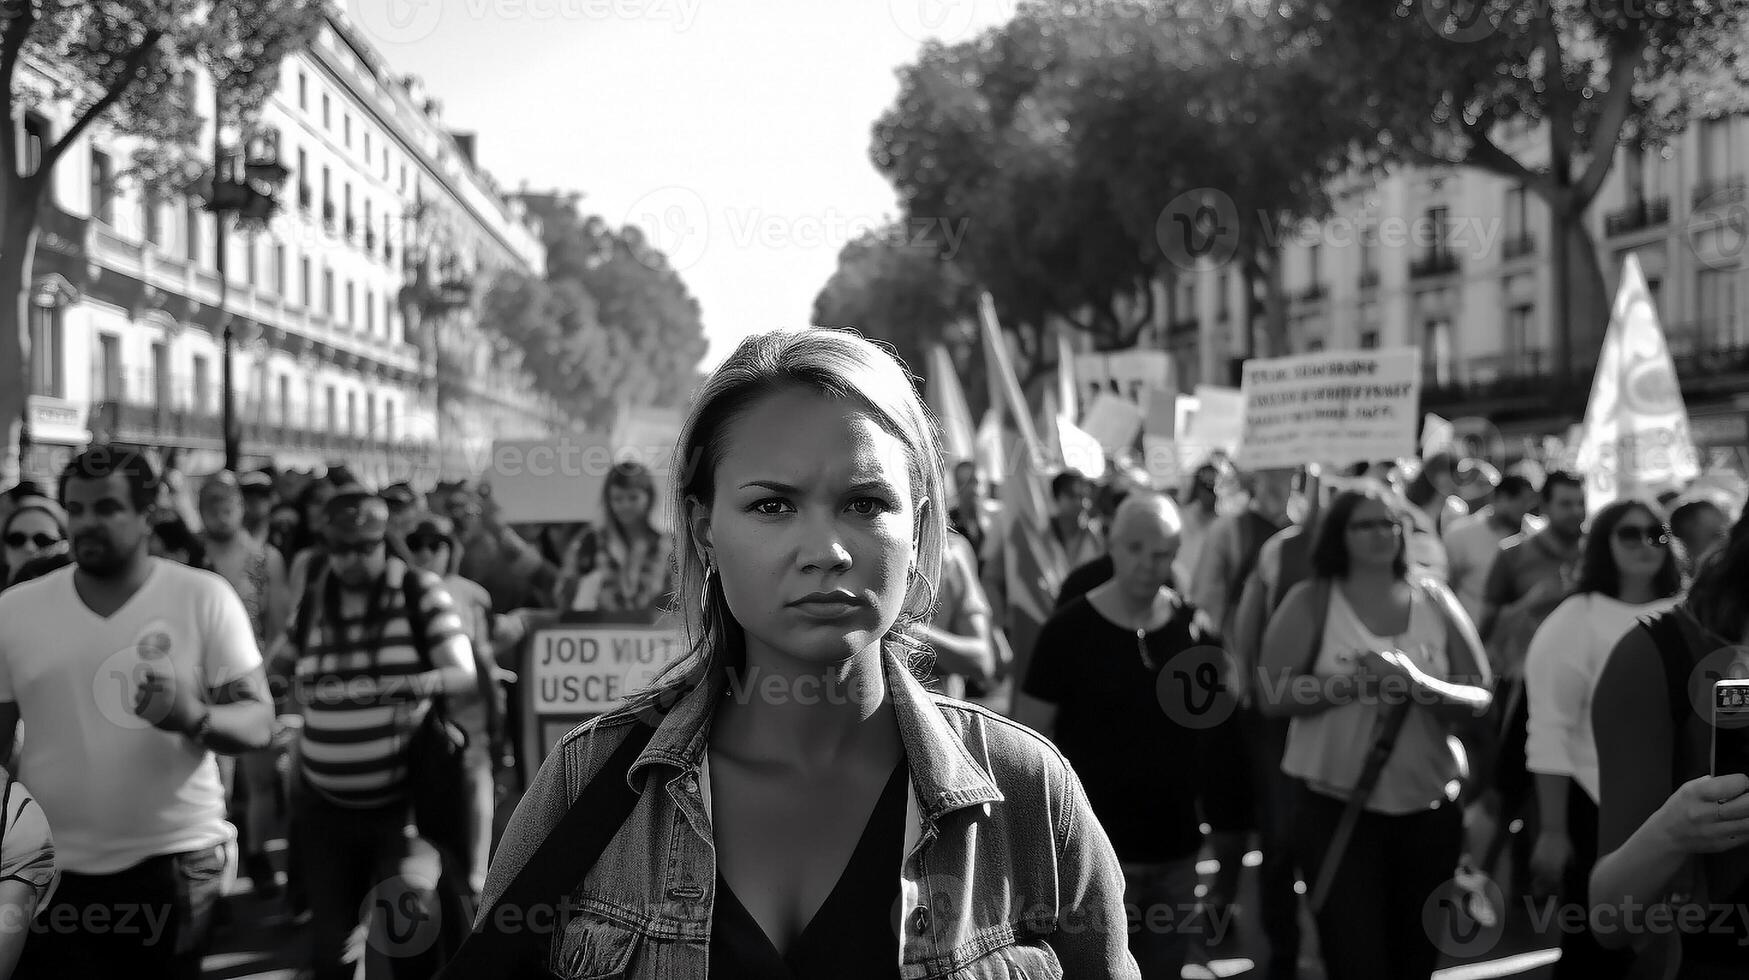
(1328, 749)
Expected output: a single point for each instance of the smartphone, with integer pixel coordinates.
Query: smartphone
(1730, 718)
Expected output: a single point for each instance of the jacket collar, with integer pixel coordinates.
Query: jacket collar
(943, 772)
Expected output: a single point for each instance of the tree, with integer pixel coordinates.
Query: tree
(1537, 93)
(130, 65)
(908, 297)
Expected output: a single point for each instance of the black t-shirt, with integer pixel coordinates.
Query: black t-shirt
(1137, 764)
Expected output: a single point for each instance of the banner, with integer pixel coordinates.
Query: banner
(1216, 423)
(574, 666)
(1126, 374)
(1079, 450)
(1636, 440)
(552, 481)
(1334, 408)
(948, 402)
(1113, 423)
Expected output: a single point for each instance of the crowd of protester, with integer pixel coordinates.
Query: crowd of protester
(1427, 675)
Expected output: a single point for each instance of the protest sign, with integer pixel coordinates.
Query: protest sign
(1636, 439)
(550, 481)
(581, 665)
(1336, 408)
(1113, 422)
(1126, 374)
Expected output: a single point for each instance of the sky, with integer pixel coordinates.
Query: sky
(735, 133)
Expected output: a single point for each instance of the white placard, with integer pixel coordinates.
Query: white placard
(587, 669)
(1114, 423)
(1126, 374)
(1335, 408)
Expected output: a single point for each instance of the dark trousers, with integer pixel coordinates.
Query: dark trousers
(1371, 925)
(1275, 793)
(153, 920)
(1581, 956)
(368, 862)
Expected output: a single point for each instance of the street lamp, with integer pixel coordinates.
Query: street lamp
(247, 186)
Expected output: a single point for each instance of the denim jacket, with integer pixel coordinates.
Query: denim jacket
(1006, 872)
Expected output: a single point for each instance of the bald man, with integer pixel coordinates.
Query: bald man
(1091, 687)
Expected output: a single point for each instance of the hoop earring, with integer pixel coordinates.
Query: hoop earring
(704, 593)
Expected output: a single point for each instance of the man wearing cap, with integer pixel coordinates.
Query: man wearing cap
(129, 672)
(373, 642)
(259, 499)
(257, 572)
(403, 509)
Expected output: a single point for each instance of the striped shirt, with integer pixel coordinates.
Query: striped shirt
(354, 747)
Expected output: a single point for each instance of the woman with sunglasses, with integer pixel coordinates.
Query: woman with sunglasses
(1390, 646)
(1626, 570)
(36, 529)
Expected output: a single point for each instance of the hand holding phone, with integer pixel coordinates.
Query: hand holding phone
(1730, 749)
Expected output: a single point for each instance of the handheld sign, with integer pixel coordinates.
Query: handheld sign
(580, 665)
(1339, 407)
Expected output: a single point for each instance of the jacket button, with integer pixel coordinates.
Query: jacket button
(920, 920)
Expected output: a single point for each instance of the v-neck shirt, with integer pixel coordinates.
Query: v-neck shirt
(852, 936)
(73, 675)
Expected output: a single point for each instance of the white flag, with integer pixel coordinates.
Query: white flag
(949, 403)
(1636, 441)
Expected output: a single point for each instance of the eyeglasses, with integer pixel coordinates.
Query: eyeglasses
(358, 549)
(1382, 524)
(18, 539)
(424, 542)
(1631, 535)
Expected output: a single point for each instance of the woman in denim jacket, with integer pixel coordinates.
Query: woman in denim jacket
(806, 808)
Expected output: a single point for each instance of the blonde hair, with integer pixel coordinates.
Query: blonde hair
(839, 365)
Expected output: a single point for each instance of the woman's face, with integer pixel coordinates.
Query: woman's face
(630, 506)
(31, 535)
(1374, 535)
(813, 499)
(1638, 545)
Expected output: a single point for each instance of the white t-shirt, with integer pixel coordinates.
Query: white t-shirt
(1566, 657)
(116, 790)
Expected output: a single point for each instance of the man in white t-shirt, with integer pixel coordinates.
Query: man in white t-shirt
(1472, 542)
(128, 672)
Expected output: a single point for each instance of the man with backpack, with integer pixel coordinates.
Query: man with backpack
(372, 645)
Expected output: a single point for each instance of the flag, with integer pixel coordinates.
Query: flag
(1636, 440)
(1437, 434)
(949, 404)
(1067, 403)
(1033, 563)
(1079, 449)
(992, 461)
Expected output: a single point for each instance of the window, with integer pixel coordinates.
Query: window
(109, 384)
(303, 91)
(202, 383)
(403, 178)
(191, 241)
(285, 413)
(1719, 325)
(327, 112)
(370, 414)
(47, 351)
(36, 136)
(367, 146)
(351, 308)
(250, 260)
(152, 207)
(304, 281)
(1368, 236)
(328, 291)
(279, 269)
(327, 195)
(303, 179)
(352, 413)
(161, 395)
(346, 129)
(1369, 339)
(1520, 323)
(1517, 213)
(1224, 295)
(1715, 150)
(389, 420)
(370, 312)
(309, 403)
(102, 187)
(1314, 264)
(346, 196)
(333, 414)
(1438, 231)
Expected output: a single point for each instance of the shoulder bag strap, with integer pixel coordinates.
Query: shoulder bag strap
(501, 947)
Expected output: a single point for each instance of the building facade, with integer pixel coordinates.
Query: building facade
(1456, 262)
(336, 353)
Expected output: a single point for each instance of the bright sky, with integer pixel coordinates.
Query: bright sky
(734, 132)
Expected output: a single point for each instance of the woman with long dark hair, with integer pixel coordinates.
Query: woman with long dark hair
(798, 804)
(1628, 569)
(626, 565)
(1359, 645)
(1666, 825)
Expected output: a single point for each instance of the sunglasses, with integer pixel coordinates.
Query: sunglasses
(1630, 535)
(18, 539)
(359, 549)
(426, 542)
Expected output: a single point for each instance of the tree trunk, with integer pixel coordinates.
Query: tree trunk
(18, 235)
(1587, 299)
(1274, 305)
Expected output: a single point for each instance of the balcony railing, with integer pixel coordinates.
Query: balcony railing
(1720, 191)
(129, 422)
(1433, 264)
(1641, 214)
(1518, 246)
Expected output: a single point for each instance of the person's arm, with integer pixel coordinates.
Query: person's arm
(1555, 693)
(8, 729)
(1251, 619)
(1497, 593)
(1645, 831)
(222, 703)
(279, 594)
(1284, 689)
(1091, 888)
(18, 901)
(452, 656)
(1463, 696)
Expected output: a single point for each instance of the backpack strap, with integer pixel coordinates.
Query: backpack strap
(1320, 590)
(500, 946)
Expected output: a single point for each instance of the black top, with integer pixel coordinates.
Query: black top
(1084, 580)
(853, 936)
(1136, 763)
